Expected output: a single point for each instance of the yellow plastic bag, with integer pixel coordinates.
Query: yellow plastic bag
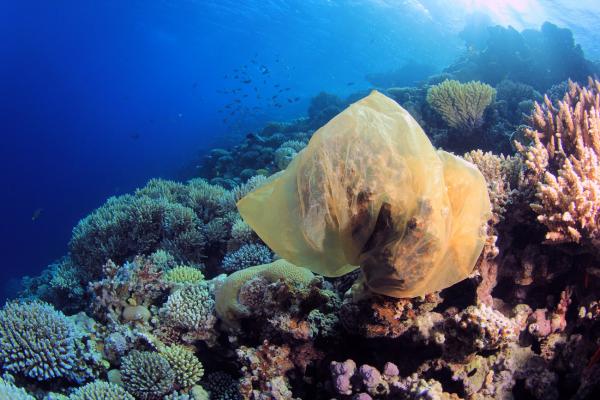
(370, 190)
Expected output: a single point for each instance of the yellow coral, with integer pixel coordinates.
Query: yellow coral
(226, 295)
(188, 369)
(184, 274)
(370, 190)
(461, 104)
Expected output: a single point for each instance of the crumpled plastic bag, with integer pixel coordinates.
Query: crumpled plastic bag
(370, 190)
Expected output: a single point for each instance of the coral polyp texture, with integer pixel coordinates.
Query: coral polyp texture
(461, 104)
(563, 162)
(147, 375)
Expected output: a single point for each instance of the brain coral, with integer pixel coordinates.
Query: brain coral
(226, 296)
(461, 104)
(147, 375)
(41, 343)
(99, 390)
(370, 190)
(9, 391)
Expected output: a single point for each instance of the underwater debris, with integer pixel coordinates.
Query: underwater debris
(408, 242)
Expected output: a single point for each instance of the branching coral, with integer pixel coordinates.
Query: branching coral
(162, 215)
(99, 390)
(9, 391)
(186, 366)
(563, 160)
(246, 256)
(461, 104)
(39, 342)
(147, 375)
(191, 309)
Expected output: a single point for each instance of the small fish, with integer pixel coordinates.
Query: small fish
(350, 83)
(296, 98)
(287, 89)
(245, 95)
(277, 85)
(135, 135)
(237, 100)
(274, 97)
(194, 85)
(290, 100)
(247, 81)
(236, 77)
(36, 214)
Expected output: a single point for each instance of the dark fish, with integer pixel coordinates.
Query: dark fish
(237, 100)
(280, 91)
(277, 85)
(36, 214)
(245, 95)
(135, 136)
(247, 81)
(225, 120)
(296, 98)
(287, 89)
(350, 83)
(235, 70)
(228, 106)
(290, 101)
(274, 97)
(195, 85)
(255, 137)
(225, 76)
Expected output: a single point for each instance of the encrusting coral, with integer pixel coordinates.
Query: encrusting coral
(398, 211)
(228, 306)
(562, 160)
(461, 104)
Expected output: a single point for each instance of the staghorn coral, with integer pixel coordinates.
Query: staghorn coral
(38, 342)
(99, 390)
(461, 104)
(8, 391)
(562, 160)
(191, 309)
(246, 256)
(186, 366)
(147, 375)
(184, 275)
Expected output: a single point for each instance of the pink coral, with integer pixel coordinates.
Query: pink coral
(563, 160)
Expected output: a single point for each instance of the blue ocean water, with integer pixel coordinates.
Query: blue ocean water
(99, 97)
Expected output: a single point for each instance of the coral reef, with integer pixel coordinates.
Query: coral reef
(142, 308)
